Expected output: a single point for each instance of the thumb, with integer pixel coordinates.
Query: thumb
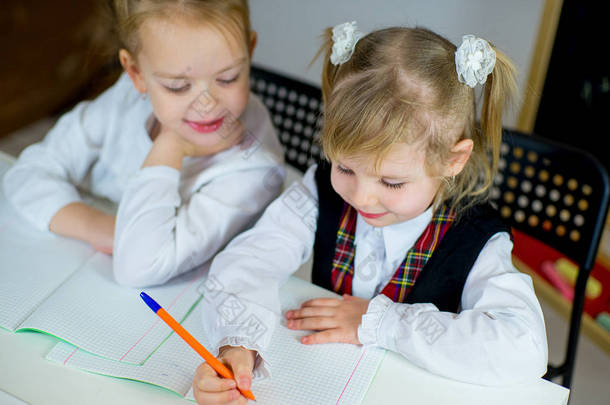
(243, 378)
(242, 365)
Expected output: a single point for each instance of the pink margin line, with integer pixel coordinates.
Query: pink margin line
(350, 377)
(140, 339)
(157, 320)
(71, 354)
(154, 323)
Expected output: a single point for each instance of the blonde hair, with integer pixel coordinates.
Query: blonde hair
(401, 86)
(230, 17)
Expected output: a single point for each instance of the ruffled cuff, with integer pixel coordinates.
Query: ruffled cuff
(381, 325)
(371, 321)
(261, 366)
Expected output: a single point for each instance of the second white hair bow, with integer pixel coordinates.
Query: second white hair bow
(345, 37)
(474, 60)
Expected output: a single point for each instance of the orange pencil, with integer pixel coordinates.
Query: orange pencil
(188, 338)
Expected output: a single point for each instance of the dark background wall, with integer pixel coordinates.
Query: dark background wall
(575, 103)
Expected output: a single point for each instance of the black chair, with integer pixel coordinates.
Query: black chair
(553, 192)
(559, 195)
(296, 111)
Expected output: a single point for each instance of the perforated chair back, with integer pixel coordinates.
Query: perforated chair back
(559, 195)
(295, 109)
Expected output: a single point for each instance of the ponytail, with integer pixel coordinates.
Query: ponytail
(500, 88)
(475, 180)
(329, 71)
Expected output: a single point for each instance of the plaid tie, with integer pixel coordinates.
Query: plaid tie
(406, 274)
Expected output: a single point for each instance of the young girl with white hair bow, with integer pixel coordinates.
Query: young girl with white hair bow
(401, 227)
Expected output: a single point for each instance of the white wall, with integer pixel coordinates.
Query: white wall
(289, 30)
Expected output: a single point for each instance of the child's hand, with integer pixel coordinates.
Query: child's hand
(101, 234)
(337, 319)
(80, 221)
(169, 147)
(210, 388)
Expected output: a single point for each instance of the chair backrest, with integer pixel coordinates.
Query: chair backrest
(553, 192)
(296, 110)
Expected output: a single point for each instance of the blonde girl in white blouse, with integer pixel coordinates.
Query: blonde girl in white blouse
(190, 156)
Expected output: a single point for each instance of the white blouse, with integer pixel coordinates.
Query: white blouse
(498, 337)
(168, 221)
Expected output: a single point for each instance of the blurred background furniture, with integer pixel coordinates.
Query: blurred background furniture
(296, 111)
(50, 58)
(558, 195)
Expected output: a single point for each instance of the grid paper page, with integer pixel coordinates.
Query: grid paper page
(97, 315)
(333, 373)
(172, 366)
(321, 374)
(33, 265)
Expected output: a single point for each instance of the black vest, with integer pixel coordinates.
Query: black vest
(442, 279)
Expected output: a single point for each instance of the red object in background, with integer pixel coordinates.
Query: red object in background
(551, 274)
(533, 253)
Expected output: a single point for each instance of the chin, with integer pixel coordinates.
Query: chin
(378, 222)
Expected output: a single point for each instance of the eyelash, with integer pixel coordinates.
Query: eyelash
(188, 86)
(393, 186)
(229, 81)
(178, 89)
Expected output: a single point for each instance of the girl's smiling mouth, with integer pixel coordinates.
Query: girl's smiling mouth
(205, 127)
(371, 216)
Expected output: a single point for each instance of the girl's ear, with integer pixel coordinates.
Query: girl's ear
(130, 65)
(253, 42)
(460, 153)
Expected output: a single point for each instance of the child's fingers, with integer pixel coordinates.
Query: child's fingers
(326, 336)
(317, 302)
(206, 379)
(310, 311)
(241, 362)
(313, 323)
(225, 397)
(103, 249)
(208, 388)
(215, 384)
(243, 376)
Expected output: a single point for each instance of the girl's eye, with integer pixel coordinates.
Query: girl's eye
(181, 89)
(394, 186)
(344, 170)
(228, 81)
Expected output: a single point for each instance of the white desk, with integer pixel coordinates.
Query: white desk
(26, 375)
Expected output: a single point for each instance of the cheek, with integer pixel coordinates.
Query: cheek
(396, 200)
(236, 99)
(168, 108)
(411, 201)
(340, 184)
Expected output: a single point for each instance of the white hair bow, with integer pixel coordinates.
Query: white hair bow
(474, 60)
(345, 37)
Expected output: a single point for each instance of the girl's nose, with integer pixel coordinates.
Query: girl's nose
(364, 196)
(204, 103)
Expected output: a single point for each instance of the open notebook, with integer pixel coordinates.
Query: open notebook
(64, 288)
(322, 374)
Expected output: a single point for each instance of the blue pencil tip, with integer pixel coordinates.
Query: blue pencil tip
(150, 302)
